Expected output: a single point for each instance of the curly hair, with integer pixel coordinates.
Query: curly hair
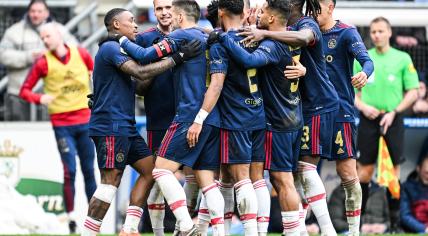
(233, 6)
(212, 13)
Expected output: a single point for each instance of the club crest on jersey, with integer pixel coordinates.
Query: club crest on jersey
(120, 157)
(332, 43)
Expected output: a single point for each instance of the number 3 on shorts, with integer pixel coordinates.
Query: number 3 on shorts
(305, 135)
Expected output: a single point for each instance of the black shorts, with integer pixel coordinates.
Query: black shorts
(368, 140)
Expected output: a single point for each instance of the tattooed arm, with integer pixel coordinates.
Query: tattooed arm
(145, 74)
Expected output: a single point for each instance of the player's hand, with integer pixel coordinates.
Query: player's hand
(370, 112)
(187, 51)
(110, 37)
(252, 35)
(359, 80)
(252, 16)
(193, 134)
(90, 100)
(386, 121)
(46, 99)
(213, 38)
(294, 72)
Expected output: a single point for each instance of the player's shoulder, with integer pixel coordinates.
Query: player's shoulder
(109, 46)
(148, 32)
(342, 25)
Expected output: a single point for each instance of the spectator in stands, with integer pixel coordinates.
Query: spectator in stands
(421, 105)
(375, 220)
(65, 70)
(19, 48)
(414, 196)
(388, 93)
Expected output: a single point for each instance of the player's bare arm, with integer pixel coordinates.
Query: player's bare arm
(142, 87)
(147, 72)
(211, 98)
(301, 38)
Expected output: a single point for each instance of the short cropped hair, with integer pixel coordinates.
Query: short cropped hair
(280, 6)
(190, 7)
(381, 19)
(108, 19)
(235, 7)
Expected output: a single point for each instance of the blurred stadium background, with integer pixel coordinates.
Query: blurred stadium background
(28, 153)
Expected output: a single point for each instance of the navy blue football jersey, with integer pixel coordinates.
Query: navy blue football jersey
(113, 111)
(281, 96)
(240, 102)
(159, 101)
(190, 79)
(318, 93)
(342, 44)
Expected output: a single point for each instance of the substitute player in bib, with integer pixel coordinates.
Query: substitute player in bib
(342, 44)
(66, 76)
(190, 84)
(282, 106)
(112, 123)
(320, 104)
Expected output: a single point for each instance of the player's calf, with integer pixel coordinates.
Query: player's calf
(98, 206)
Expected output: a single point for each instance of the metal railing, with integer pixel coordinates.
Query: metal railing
(92, 41)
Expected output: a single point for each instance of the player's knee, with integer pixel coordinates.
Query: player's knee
(283, 183)
(105, 192)
(111, 176)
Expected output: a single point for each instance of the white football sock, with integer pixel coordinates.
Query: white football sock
(246, 201)
(175, 196)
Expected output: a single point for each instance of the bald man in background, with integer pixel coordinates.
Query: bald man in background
(65, 71)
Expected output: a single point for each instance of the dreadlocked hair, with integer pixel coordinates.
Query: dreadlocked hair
(313, 8)
(212, 13)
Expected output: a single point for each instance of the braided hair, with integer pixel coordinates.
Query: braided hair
(313, 7)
